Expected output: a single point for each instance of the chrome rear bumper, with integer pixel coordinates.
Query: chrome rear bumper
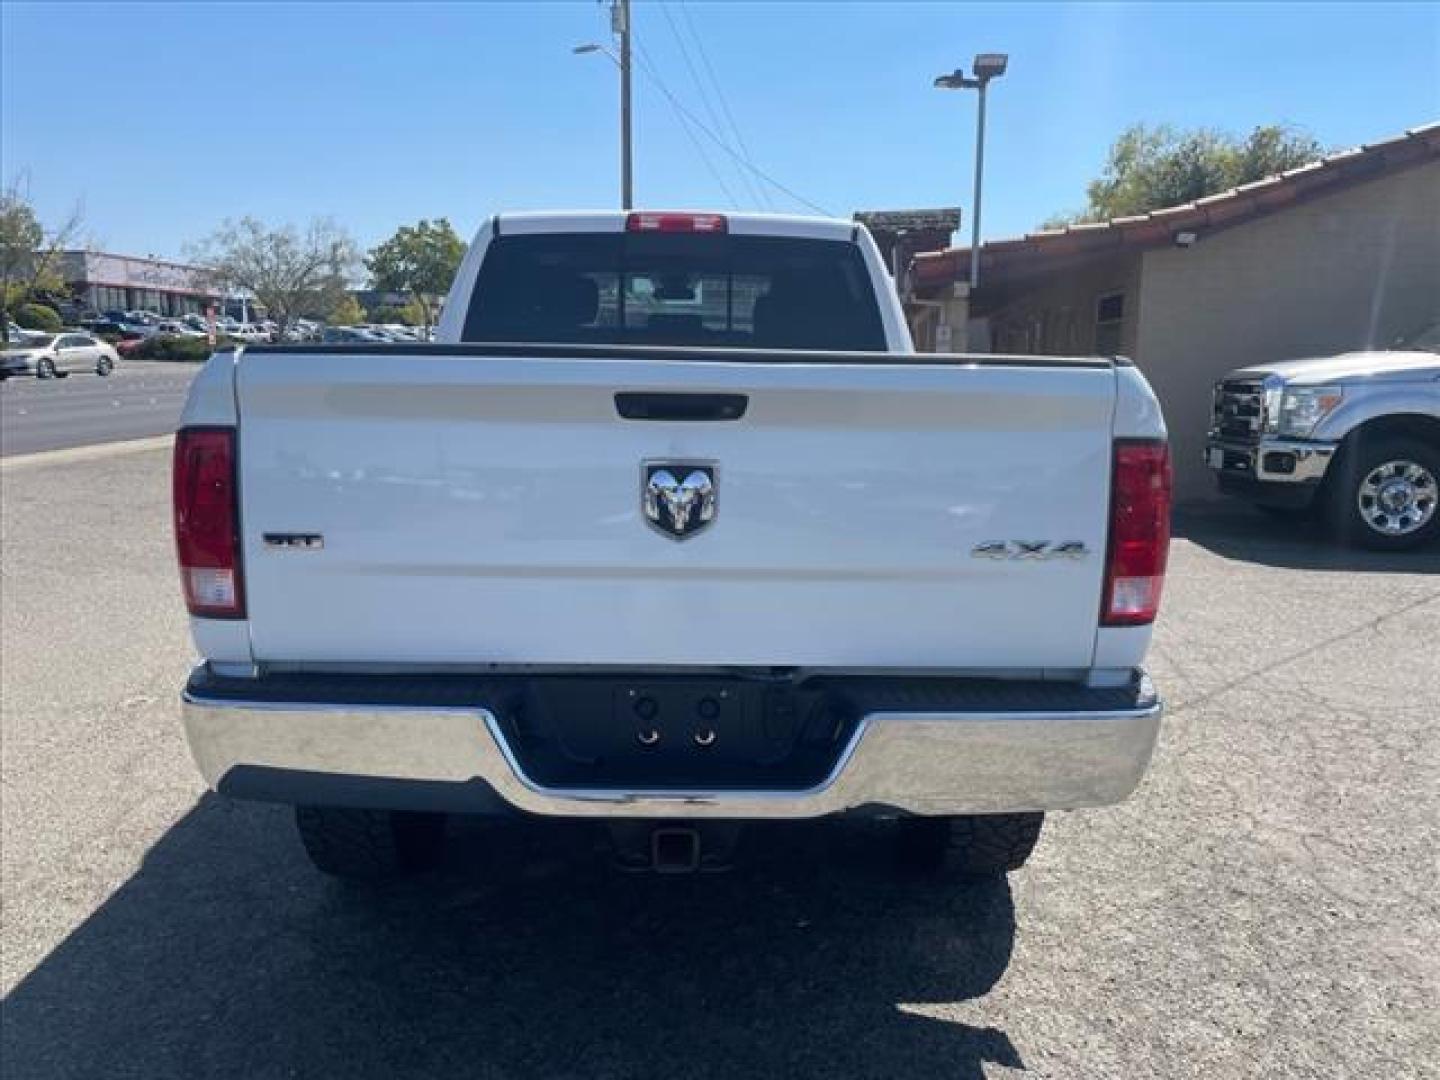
(916, 762)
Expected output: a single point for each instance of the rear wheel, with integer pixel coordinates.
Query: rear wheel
(1386, 494)
(45, 368)
(978, 846)
(369, 845)
(104, 366)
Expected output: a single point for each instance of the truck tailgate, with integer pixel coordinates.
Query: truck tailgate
(488, 509)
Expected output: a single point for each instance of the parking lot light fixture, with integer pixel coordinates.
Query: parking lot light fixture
(990, 66)
(987, 66)
(620, 23)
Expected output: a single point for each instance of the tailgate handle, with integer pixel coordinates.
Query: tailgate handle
(635, 405)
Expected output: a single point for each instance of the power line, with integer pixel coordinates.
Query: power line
(705, 96)
(699, 126)
(720, 93)
(681, 113)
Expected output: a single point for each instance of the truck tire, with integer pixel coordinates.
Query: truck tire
(1386, 494)
(977, 846)
(369, 845)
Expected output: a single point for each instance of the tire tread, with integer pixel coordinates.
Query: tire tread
(974, 846)
(367, 845)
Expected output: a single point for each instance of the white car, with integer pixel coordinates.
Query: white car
(671, 530)
(178, 328)
(52, 356)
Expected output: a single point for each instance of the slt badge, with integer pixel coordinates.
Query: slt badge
(678, 497)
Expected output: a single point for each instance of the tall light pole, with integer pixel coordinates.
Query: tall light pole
(987, 66)
(620, 25)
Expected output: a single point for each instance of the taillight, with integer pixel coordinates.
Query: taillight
(207, 522)
(1139, 532)
(672, 222)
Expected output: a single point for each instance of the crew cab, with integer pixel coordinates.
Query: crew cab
(670, 529)
(1355, 437)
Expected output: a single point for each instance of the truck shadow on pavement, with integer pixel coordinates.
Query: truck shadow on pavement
(525, 955)
(1297, 543)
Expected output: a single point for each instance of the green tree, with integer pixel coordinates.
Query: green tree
(420, 260)
(326, 298)
(1153, 167)
(285, 269)
(345, 312)
(30, 256)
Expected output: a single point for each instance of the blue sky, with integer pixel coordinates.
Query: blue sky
(164, 119)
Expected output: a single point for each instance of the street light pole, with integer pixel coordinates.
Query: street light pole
(979, 173)
(620, 22)
(620, 27)
(987, 66)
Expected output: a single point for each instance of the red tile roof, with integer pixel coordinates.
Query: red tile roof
(1158, 227)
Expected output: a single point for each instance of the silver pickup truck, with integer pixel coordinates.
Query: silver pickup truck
(1355, 437)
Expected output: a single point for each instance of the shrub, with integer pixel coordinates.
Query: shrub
(184, 350)
(386, 314)
(346, 312)
(39, 317)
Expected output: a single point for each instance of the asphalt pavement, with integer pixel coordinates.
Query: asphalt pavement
(138, 399)
(1267, 905)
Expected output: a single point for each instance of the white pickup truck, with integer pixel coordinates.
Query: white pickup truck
(670, 528)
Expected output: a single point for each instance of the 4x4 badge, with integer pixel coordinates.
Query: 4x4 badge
(1030, 549)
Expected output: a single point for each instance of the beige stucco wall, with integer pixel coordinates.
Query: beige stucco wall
(1057, 317)
(1346, 271)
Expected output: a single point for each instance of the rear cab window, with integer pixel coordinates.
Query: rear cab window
(675, 289)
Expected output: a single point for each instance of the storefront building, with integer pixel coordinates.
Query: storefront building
(104, 282)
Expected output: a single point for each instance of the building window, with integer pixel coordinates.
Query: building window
(1109, 322)
(109, 298)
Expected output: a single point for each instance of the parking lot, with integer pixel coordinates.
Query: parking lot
(1266, 905)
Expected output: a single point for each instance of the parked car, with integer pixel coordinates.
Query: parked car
(249, 333)
(17, 335)
(1355, 437)
(178, 328)
(671, 566)
(124, 330)
(350, 335)
(60, 355)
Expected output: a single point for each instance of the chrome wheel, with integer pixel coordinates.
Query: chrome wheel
(1397, 498)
